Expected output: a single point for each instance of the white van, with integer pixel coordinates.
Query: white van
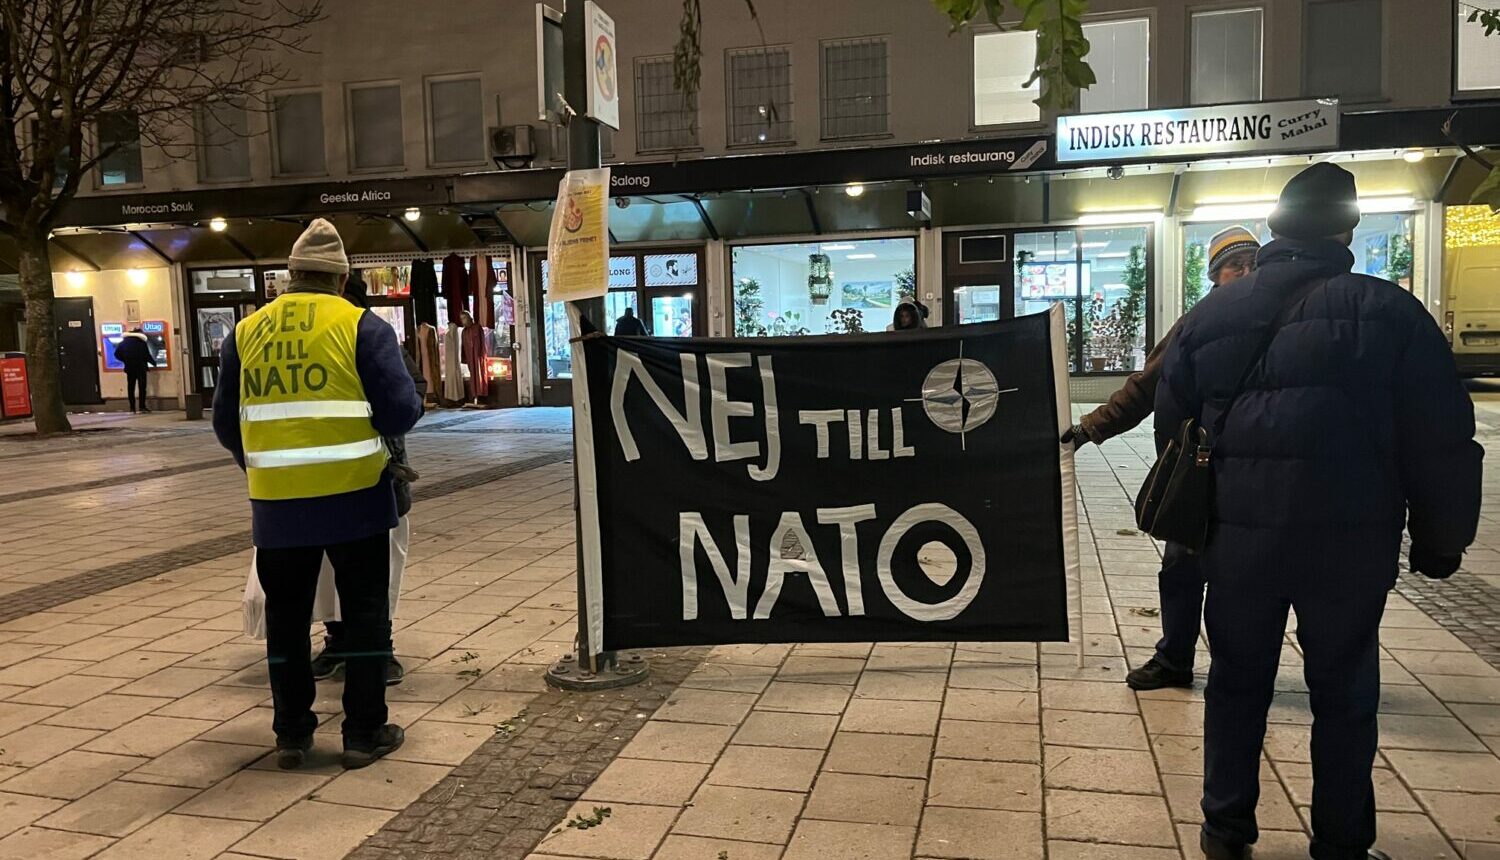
(1471, 287)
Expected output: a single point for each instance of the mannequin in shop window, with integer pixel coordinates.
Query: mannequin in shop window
(475, 355)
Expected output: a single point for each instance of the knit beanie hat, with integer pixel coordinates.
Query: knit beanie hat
(1320, 201)
(319, 249)
(1228, 242)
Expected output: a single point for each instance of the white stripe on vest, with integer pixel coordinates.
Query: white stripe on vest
(306, 409)
(310, 456)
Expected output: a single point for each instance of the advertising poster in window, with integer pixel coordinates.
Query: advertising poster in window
(828, 489)
(578, 243)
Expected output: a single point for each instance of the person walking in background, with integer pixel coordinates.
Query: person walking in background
(134, 351)
(629, 325)
(1351, 424)
(1179, 583)
(309, 385)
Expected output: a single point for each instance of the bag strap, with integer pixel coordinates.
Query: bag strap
(1283, 316)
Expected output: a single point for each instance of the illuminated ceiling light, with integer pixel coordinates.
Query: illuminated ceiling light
(854, 189)
(1393, 203)
(136, 276)
(74, 279)
(1249, 210)
(859, 256)
(839, 246)
(413, 214)
(1132, 216)
(1412, 156)
(218, 225)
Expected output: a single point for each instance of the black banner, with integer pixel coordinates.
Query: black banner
(890, 487)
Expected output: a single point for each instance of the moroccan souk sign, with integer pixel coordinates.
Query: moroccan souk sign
(1220, 131)
(887, 487)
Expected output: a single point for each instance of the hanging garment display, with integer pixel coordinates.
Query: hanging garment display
(479, 292)
(475, 355)
(455, 285)
(453, 374)
(428, 360)
(424, 289)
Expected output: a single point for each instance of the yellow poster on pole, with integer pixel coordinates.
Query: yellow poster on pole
(578, 243)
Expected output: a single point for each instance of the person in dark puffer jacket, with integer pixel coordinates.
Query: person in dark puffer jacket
(1353, 425)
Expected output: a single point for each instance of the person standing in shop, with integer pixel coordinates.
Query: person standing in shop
(1351, 426)
(309, 385)
(629, 325)
(134, 351)
(1179, 583)
(910, 315)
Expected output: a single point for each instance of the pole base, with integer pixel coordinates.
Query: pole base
(616, 669)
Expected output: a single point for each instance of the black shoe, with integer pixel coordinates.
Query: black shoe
(1155, 675)
(326, 666)
(1215, 848)
(387, 740)
(394, 672)
(290, 752)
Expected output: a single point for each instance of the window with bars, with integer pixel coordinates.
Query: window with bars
(856, 88)
(665, 117)
(760, 95)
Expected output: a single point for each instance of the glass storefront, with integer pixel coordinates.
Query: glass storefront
(1103, 278)
(835, 287)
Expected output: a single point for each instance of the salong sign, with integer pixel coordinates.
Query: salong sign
(890, 487)
(1218, 131)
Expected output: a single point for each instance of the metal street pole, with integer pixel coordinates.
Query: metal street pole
(588, 667)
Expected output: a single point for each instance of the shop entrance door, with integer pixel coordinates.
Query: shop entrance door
(77, 350)
(978, 277)
(212, 324)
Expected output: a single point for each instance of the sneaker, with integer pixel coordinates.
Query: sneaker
(1215, 848)
(291, 752)
(394, 672)
(326, 666)
(387, 740)
(1155, 675)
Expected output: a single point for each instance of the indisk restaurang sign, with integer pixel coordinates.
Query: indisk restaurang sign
(1219, 131)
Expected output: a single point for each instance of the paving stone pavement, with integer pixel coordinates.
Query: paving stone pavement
(134, 718)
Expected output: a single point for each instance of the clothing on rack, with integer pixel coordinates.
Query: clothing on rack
(455, 285)
(424, 290)
(428, 360)
(475, 353)
(453, 375)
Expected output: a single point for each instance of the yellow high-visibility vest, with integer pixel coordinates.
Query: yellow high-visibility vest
(304, 419)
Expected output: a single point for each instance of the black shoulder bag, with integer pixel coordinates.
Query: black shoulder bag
(1176, 501)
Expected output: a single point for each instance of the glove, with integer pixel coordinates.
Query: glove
(1075, 435)
(1433, 565)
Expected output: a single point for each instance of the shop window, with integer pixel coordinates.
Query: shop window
(1478, 56)
(375, 130)
(856, 88)
(1002, 64)
(760, 95)
(455, 121)
(224, 142)
(297, 124)
(821, 287)
(665, 117)
(1103, 279)
(120, 143)
(1227, 55)
(1120, 55)
(1353, 71)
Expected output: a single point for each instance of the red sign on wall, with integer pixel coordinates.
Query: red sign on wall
(15, 389)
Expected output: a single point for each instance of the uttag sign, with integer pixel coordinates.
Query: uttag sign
(826, 489)
(1221, 131)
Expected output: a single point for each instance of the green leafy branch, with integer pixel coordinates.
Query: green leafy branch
(1060, 44)
(1488, 18)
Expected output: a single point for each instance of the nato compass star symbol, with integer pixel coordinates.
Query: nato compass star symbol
(960, 394)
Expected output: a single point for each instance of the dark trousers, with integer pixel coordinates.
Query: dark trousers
(1338, 593)
(1180, 584)
(135, 378)
(361, 571)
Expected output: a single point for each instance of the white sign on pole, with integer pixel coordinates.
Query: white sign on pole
(1222, 131)
(604, 82)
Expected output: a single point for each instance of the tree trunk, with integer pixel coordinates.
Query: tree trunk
(42, 365)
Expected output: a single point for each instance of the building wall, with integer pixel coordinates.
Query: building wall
(110, 289)
(930, 69)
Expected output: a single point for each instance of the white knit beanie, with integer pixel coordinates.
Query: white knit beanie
(319, 249)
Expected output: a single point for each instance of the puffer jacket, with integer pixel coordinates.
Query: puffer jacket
(1355, 421)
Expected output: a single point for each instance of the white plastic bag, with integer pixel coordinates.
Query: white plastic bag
(326, 603)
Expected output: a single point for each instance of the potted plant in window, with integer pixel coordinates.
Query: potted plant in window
(749, 309)
(846, 321)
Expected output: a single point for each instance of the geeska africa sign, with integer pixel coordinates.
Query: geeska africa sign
(1219, 131)
(821, 489)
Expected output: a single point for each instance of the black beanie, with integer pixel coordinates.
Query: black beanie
(356, 290)
(1320, 201)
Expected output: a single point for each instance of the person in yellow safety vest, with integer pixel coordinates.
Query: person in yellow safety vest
(307, 387)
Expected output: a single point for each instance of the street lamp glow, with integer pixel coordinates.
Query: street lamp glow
(218, 225)
(854, 189)
(413, 214)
